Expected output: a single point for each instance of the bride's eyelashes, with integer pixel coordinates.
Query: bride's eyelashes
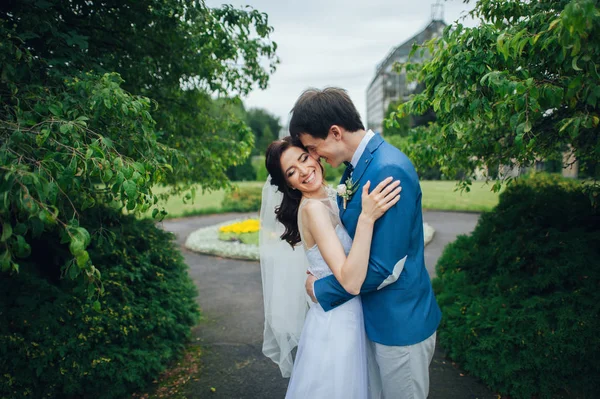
(303, 159)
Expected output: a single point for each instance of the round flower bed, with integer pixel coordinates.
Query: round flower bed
(227, 239)
(245, 232)
(206, 240)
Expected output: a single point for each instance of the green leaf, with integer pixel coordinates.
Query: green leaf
(130, 189)
(96, 306)
(73, 271)
(41, 138)
(55, 109)
(139, 167)
(89, 202)
(519, 140)
(82, 259)
(6, 232)
(5, 260)
(65, 128)
(22, 248)
(106, 175)
(51, 192)
(76, 246)
(108, 143)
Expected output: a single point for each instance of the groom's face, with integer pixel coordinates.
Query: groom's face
(328, 149)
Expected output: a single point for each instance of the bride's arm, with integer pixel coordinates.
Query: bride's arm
(350, 271)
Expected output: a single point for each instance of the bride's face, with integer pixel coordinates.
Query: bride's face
(301, 171)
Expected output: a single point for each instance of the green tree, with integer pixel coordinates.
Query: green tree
(521, 86)
(173, 52)
(395, 125)
(265, 127)
(266, 138)
(102, 101)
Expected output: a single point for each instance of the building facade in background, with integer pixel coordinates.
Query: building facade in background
(387, 85)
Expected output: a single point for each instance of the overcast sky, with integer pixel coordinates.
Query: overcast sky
(336, 43)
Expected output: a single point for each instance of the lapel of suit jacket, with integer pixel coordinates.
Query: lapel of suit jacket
(363, 164)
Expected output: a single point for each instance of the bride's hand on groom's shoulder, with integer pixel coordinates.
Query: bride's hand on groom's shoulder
(382, 198)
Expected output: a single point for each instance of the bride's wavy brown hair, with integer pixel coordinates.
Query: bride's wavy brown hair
(287, 212)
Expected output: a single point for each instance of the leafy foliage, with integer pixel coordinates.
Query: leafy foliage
(523, 85)
(53, 343)
(173, 52)
(258, 163)
(102, 101)
(333, 175)
(242, 199)
(265, 127)
(242, 172)
(55, 165)
(395, 125)
(520, 295)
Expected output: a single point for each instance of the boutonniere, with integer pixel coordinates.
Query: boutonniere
(347, 190)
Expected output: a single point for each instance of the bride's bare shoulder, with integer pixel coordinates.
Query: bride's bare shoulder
(313, 210)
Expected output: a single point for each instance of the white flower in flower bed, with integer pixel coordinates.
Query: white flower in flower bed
(206, 241)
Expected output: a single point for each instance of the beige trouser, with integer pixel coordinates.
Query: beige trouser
(400, 372)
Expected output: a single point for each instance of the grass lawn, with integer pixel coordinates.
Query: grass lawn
(204, 204)
(440, 195)
(437, 195)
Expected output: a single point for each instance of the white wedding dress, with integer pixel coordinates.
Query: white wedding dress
(331, 361)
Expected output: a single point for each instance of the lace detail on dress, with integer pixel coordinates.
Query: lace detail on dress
(317, 265)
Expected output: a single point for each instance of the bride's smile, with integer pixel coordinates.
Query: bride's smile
(302, 172)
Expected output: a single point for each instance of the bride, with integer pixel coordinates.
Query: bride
(298, 208)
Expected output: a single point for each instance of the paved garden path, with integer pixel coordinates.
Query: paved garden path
(230, 333)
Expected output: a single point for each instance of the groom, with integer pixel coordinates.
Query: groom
(400, 311)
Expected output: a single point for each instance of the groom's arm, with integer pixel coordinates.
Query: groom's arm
(392, 232)
(389, 247)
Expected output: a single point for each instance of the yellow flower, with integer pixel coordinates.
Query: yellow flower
(247, 226)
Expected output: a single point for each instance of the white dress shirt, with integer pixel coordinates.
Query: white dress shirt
(361, 147)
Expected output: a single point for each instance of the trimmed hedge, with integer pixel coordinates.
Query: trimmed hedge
(242, 199)
(53, 344)
(520, 296)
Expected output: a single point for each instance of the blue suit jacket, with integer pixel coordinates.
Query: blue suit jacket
(398, 302)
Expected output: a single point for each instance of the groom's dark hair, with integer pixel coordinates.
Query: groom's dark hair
(317, 110)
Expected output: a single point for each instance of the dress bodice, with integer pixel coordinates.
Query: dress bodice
(317, 265)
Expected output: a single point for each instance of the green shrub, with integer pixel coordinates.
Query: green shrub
(242, 199)
(520, 295)
(258, 162)
(53, 344)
